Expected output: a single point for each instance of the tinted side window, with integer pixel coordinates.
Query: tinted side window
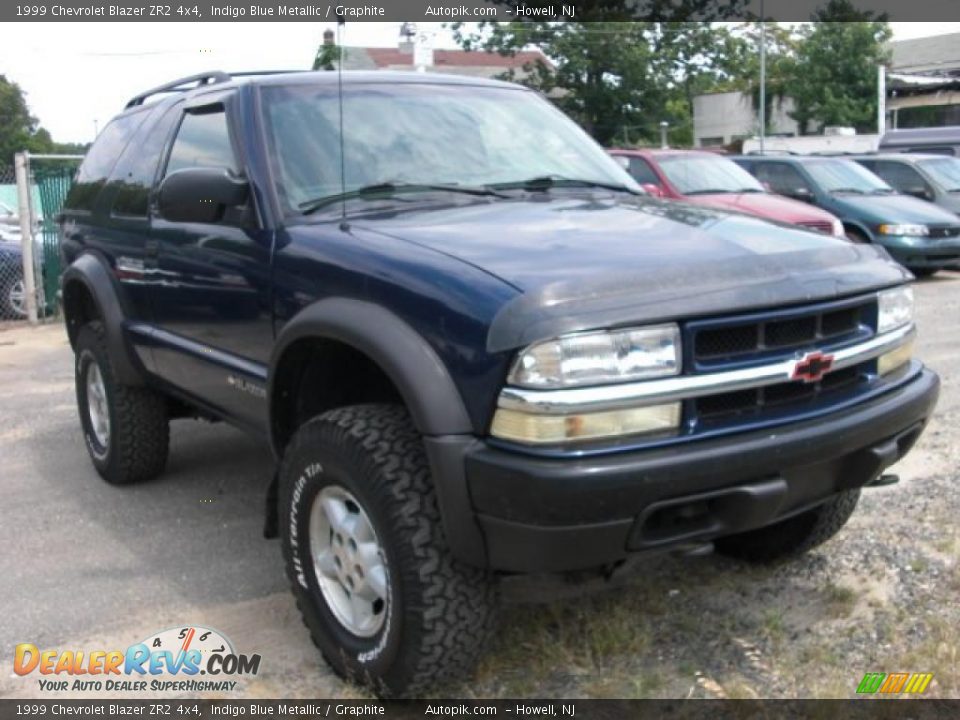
(137, 168)
(99, 161)
(642, 172)
(900, 175)
(203, 140)
(932, 150)
(781, 178)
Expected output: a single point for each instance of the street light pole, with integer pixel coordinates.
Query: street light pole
(763, 78)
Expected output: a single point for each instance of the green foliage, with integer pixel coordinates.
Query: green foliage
(835, 72)
(19, 130)
(618, 79)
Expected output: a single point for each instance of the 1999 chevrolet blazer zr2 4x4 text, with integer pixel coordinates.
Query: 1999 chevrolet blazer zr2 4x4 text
(475, 345)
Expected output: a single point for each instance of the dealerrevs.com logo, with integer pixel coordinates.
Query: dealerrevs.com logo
(183, 659)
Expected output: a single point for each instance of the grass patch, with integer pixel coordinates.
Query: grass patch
(840, 599)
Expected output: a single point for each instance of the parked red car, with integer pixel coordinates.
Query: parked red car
(706, 178)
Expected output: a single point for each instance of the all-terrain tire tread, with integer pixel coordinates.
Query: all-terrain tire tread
(140, 428)
(458, 602)
(794, 536)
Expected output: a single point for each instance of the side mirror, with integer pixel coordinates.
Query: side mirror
(801, 193)
(200, 194)
(919, 192)
(654, 190)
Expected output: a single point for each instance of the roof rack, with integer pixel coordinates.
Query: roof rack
(194, 81)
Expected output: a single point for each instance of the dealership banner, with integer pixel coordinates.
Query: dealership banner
(524, 709)
(452, 11)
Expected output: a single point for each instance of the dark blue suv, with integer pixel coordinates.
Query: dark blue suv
(475, 346)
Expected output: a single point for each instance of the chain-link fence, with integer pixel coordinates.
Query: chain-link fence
(12, 294)
(45, 180)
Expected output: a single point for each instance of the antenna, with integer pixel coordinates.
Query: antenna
(341, 22)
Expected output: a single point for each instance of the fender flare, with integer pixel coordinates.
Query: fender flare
(426, 387)
(400, 351)
(92, 273)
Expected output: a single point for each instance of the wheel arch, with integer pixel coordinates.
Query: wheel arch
(89, 294)
(390, 344)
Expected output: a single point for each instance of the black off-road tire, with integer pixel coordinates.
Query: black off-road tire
(139, 424)
(440, 612)
(794, 536)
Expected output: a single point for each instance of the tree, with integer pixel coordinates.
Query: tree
(19, 130)
(744, 63)
(618, 79)
(834, 76)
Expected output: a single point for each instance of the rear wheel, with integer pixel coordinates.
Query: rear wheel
(793, 536)
(924, 271)
(384, 600)
(126, 428)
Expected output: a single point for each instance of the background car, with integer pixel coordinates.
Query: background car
(705, 178)
(12, 295)
(917, 233)
(935, 178)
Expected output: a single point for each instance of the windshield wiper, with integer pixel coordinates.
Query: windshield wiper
(545, 182)
(855, 191)
(713, 191)
(389, 189)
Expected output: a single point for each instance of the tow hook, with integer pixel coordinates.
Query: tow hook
(884, 480)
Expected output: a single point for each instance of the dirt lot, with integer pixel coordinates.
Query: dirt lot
(90, 566)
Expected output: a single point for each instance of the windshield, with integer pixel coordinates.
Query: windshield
(845, 176)
(424, 134)
(944, 171)
(693, 174)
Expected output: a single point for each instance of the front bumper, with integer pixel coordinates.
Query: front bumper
(542, 514)
(922, 252)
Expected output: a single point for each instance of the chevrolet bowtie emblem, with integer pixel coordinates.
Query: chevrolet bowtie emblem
(812, 367)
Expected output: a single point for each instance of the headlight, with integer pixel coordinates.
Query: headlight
(599, 358)
(895, 308)
(909, 230)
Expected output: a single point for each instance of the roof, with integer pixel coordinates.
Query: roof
(939, 53)
(898, 157)
(223, 81)
(659, 152)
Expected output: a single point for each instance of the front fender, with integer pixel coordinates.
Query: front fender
(426, 387)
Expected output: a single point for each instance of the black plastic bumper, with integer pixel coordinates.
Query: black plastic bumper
(539, 514)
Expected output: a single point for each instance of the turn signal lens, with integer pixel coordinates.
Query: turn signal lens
(895, 358)
(544, 429)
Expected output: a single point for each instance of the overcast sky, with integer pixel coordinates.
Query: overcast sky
(78, 75)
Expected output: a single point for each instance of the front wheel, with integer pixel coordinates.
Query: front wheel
(794, 536)
(923, 272)
(13, 299)
(365, 551)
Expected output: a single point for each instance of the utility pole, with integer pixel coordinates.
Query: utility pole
(881, 100)
(663, 134)
(763, 78)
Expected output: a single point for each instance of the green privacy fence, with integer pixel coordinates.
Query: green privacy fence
(53, 182)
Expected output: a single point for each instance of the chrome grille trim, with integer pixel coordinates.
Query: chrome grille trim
(682, 387)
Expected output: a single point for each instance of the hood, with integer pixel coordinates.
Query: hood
(765, 205)
(894, 209)
(586, 263)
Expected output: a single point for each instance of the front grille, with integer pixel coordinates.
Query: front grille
(794, 395)
(818, 225)
(733, 341)
(943, 231)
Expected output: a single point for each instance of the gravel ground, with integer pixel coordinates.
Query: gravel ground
(90, 566)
